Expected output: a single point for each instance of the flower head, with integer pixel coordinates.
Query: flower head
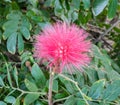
(63, 45)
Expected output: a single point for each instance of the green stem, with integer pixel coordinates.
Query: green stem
(29, 92)
(62, 99)
(76, 84)
(23, 91)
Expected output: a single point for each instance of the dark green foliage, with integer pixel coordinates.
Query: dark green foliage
(24, 80)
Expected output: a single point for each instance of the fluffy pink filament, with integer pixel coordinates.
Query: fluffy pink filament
(62, 44)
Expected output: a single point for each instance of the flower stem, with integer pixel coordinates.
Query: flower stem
(50, 87)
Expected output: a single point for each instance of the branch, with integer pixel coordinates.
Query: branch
(50, 87)
(62, 99)
(23, 91)
(107, 31)
(76, 84)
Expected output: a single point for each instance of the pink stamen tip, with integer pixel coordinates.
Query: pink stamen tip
(64, 44)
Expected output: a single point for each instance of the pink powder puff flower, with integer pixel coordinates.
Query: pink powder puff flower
(63, 46)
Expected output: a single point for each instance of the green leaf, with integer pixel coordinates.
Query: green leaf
(80, 102)
(104, 103)
(58, 8)
(20, 44)
(16, 23)
(10, 99)
(70, 101)
(17, 102)
(11, 43)
(82, 20)
(1, 82)
(25, 32)
(12, 24)
(30, 98)
(85, 89)
(14, 15)
(0, 34)
(96, 89)
(34, 3)
(101, 74)
(15, 73)
(48, 3)
(112, 8)
(31, 86)
(98, 6)
(38, 103)
(80, 78)
(86, 4)
(92, 75)
(113, 75)
(9, 31)
(42, 25)
(112, 91)
(9, 77)
(9, 1)
(75, 4)
(2, 103)
(15, 6)
(59, 95)
(55, 86)
(72, 16)
(38, 75)
(25, 23)
(94, 103)
(69, 85)
(36, 18)
(96, 51)
(26, 56)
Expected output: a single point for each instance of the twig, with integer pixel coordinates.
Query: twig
(108, 30)
(50, 87)
(23, 91)
(58, 100)
(107, 44)
(29, 92)
(76, 84)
